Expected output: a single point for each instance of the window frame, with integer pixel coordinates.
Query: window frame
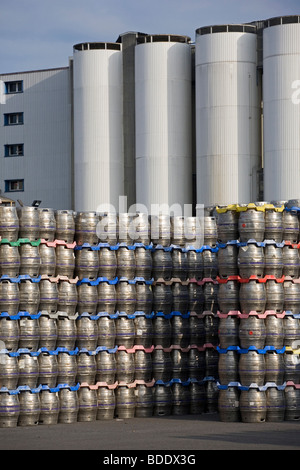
(8, 116)
(17, 83)
(9, 147)
(10, 189)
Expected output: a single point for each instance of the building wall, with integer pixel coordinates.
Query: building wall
(45, 135)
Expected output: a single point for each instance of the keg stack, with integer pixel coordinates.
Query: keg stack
(185, 323)
(259, 300)
(117, 315)
(95, 324)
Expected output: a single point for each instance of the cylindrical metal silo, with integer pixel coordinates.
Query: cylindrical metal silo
(163, 106)
(98, 126)
(227, 114)
(281, 97)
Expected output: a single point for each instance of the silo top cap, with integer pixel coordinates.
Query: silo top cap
(279, 20)
(85, 46)
(227, 28)
(163, 38)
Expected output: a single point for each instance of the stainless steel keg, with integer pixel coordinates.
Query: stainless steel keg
(86, 367)
(66, 368)
(125, 366)
(252, 368)
(28, 370)
(126, 297)
(106, 403)
(253, 406)
(9, 223)
(30, 407)
(47, 223)
(228, 261)
(125, 402)
(30, 259)
(87, 404)
(144, 401)
(48, 369)
(87, 333)
(67, 297)
(48, 332)
(87, 298)
(86, 228)
(9, 334)
(86, 263)
(107, 262)
(50, 407)
(10, 260)
(253, 296)
(65, 261)
(69, 405)
(48, 295)
(228, 367)
(48, 260)
(29, 222)
(229, 405)
(251, 260)
(9, 371)
(106, 331)
(65, 225)
(107, 297)
(9, 297)
(29, 296)
(9, 409)
(144, 297)
(29, 333)
(162, 265)
(162, 298)
(106, 367)
(252, 332)
(275, 405)
(229, 296)
(251, 225)
(273, 260)
(125, 331)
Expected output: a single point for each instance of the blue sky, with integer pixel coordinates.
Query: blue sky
(38, 34)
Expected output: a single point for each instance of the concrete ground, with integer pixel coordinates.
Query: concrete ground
(175, 434)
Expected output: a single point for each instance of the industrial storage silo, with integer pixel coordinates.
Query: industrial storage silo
(227, 114)
(98, 125)
(163, 80)
(281, 97)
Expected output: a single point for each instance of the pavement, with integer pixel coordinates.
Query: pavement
(181, 436)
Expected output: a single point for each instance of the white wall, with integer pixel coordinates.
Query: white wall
(46, 135)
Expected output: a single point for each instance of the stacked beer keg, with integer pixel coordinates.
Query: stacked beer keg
(94, 322)
(120, 315)
(259, 297)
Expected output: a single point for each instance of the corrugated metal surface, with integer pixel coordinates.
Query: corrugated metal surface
(227, 118)
(281, 62)
(46, 135)
(163, 124)
(98, 129)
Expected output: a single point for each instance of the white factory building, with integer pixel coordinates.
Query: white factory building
(161, 119)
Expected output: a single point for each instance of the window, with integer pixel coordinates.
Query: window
(14, 150)
(14, 185)
(14, 87)
(13, 119)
